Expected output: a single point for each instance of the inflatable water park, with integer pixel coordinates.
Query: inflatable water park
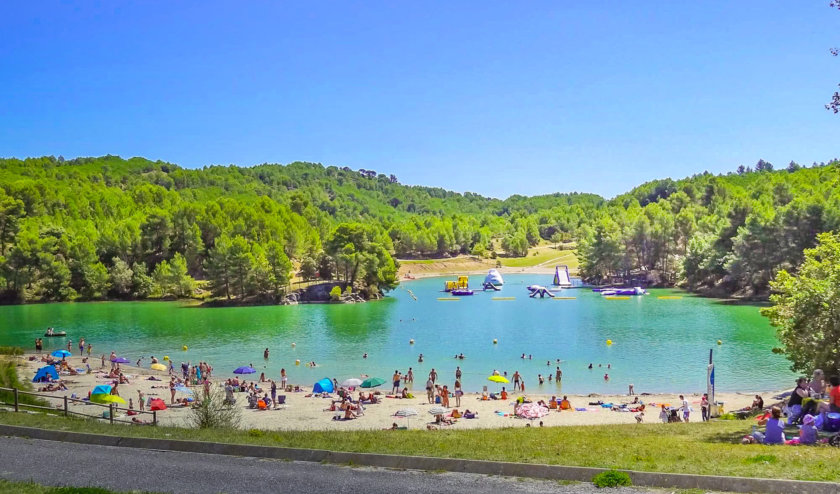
(460, 287)
(561, 277)
(611, 292)
(493, 280)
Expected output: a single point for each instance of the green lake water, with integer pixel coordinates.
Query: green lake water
(659, 345)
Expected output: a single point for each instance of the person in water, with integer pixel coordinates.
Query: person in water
(265, 354)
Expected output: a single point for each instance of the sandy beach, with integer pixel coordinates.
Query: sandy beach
(307, 413)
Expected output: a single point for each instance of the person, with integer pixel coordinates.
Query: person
(522, 384)
(795, 403)
(420, 358)
(430, 390)
(590, 365)
(444, 397)
(273, 392)
(39, 345)
(81, 347)
(396, 378)
(141, 399)
(265, 354)
(663, 414)
(816, 387)
(283, 378)
(606, 377)
(409, 376)
(704, 407)
(89, 348)
(630, 391)
(775, 430)
(102, 359)
(504, 394)
(516, 378)
(808, 433)
(541, 379)
(262, 377)
(458, 373)
(433, 375)
(365, 355)
(558, 375)
(172, 391)
(565, 404)
(758, 403)
(458, 392)
(69, 345)
(686, 409)
(640, 417)
(834, 394)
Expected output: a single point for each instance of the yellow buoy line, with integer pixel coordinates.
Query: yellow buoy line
(613, 297)
(565, 298)
(504, 298)
(447, 299)
(669, 297)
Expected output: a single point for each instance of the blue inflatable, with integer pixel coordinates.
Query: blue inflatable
(325, 385)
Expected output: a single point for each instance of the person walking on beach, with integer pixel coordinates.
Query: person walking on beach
(458, 393)
(430, 390)
(685, 408)
(172, 391)
(81, 347)
(516, 378)
(704, 407)
(141, 399)
(630, 391)
(433, 375)
(396, 380)
(409, 376)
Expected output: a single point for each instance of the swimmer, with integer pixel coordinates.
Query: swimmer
(606, 377)
(461, 356)
(364, 356)
(265, 353)
(590, 365)
(548, 362)
(420, 358)
(523, 356)
(530, 357)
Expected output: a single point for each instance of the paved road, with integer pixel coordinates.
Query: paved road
(55, 463)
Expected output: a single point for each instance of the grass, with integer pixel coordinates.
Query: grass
(9, 487)
(9, 379)
(701, 448)
(11, 350)
(540, 255)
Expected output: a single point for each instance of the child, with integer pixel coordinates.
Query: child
(808, 433)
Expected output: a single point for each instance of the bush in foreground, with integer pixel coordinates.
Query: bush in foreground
(211, 412)
(611, 478)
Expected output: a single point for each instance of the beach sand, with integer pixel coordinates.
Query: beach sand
(302, 413)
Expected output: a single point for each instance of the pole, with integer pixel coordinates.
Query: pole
(17, 406)
(65, 405)
(154, 417)
(111, 412)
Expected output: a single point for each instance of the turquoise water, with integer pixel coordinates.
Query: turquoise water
(659, 345)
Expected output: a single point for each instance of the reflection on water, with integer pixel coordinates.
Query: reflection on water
(659, 344)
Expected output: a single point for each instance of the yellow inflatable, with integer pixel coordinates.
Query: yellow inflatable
(293, 345)
(609, 342)
(297, 362)
(166, 357)
(720, 342)
(184, 348)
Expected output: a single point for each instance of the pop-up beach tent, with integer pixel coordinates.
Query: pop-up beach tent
(325, 385)
(43, 372)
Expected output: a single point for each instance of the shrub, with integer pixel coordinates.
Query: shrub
(335, 293)
(211, 412)
(11, 350)
(611, 478)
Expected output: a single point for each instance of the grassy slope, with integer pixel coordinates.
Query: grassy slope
(709, 449)
(543, 255)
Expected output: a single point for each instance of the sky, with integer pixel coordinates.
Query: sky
(497, 98)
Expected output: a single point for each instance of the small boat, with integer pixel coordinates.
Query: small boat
(462, 292)
(55, 334)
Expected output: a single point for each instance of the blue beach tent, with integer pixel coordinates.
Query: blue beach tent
(43, 372)
(102, 389)
(325, 385)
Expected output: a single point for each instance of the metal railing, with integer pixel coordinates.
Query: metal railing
(63, 407)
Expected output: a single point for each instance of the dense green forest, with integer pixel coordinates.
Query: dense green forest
(94, 228)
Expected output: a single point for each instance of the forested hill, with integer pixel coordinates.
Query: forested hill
(109, 227)
(106, 227)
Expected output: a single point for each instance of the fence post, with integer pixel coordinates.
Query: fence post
(111, 412)
(154, 417)
(17, 408)
(65, 405)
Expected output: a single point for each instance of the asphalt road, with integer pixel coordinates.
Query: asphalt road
(126, 469)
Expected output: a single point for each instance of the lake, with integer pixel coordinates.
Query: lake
(658, 344)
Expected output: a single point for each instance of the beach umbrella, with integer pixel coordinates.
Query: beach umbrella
(61, 353)
(43, 372)
(100, 398)
(244, 370)
(159, 367)
(438, 411)
(407, 413)
(498, 379)
(120, 360)
(352, 382)
(102, 389)
(373, 382)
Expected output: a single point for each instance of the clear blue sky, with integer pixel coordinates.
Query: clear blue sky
(490, 97)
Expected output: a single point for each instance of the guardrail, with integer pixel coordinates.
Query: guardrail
(64, 407)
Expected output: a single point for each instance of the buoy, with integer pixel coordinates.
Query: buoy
(297, 362)
(166, 357)
(411, 341)
(495, 341)
(720, 342)
(609, 342)
(293, 345)
(184, 348)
